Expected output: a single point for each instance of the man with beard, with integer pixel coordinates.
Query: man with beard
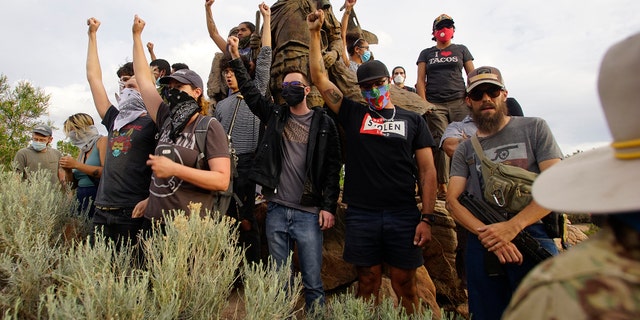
(519, 141)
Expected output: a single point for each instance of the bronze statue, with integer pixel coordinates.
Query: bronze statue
(291, 47)
(290, 37)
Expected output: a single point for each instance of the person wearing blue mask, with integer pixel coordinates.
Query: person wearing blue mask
(358, 49)
(39, 155)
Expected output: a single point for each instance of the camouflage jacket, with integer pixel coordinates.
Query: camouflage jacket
(597, 279)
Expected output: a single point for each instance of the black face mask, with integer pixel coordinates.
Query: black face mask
(293, 94)
(182, 107)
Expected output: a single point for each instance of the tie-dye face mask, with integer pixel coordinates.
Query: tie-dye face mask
(377, 97)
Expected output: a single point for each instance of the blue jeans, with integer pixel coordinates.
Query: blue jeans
(85, 197)
(489, 295)
(287, 226)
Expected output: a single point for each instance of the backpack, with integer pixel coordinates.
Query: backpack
(222, 199)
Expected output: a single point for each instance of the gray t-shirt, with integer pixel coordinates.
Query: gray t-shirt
(28, 160)
(173, 192)
(295, 140)
(444, 72)
(524, 142)
(459, 129)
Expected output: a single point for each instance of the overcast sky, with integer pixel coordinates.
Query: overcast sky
(549, 52)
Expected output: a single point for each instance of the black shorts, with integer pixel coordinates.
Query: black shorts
(377, 236)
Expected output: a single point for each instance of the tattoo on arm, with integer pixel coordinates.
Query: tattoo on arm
(95, 173)
(334, 96)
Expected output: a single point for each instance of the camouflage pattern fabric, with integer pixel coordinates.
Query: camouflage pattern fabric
(597, 279)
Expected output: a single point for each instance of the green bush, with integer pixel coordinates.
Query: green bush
(50, 269)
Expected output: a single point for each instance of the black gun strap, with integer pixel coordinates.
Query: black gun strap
(526, 243)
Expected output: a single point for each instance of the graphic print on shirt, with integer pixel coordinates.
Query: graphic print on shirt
(179, 152)
(382, 127)
(443, 57)
(514, 154)
(120, 141)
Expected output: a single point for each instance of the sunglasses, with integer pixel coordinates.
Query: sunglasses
(293, 83)
(477, 93)
(377, 83)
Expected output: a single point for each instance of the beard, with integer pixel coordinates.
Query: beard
(486, 122)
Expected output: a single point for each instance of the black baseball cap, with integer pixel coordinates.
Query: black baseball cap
(371, 70)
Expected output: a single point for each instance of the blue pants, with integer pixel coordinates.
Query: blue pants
(489, 295)
(287, 226)
(85, 197)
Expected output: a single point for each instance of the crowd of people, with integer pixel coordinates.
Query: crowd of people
(293, 150)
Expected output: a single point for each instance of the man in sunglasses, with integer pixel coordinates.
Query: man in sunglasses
(525, 142)
(383, 145)
(298, 166)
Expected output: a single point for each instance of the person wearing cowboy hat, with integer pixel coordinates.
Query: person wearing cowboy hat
(599, 278)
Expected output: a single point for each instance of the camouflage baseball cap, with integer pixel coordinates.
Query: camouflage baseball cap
(442, 21)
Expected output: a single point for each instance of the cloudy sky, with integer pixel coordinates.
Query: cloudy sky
(549, 52)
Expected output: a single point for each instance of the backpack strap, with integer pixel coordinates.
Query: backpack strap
(201, 139)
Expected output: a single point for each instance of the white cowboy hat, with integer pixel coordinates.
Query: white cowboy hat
(607, 179)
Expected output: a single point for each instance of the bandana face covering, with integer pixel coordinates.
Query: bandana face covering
(377, 97)
(130, 106)
(182, 107)
(86, 140)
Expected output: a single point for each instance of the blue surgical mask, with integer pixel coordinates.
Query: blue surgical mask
(38, 146)
(366, 56)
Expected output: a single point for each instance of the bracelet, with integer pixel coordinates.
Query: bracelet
(428, 218)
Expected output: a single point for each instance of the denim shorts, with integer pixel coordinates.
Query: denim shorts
(377, 236)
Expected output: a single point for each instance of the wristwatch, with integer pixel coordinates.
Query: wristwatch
(428, 218)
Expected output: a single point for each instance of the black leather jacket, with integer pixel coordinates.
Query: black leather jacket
(321, 187)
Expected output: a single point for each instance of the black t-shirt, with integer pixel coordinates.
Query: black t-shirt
(126, 176)
(444, 72)
(380, 170)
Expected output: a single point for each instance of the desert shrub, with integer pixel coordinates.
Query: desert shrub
(33, 214)
(271, 292)
(192, 266)
(96, 281)
(577, 218)
(347, 306)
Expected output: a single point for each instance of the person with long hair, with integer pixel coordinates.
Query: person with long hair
(179, 175)
(85, 171)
